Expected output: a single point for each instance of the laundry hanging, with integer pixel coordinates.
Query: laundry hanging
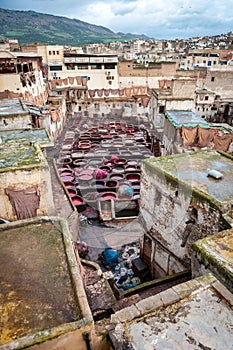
(205, 136)
(25, 202)
(189, 134)
(222, 141)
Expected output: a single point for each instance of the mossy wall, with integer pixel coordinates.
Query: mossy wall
(175, 215)
(28, 172)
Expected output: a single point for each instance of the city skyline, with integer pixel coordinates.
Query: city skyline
(158, 19)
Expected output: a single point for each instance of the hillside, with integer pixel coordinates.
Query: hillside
(30, 26)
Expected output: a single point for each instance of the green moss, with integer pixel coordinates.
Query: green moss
(210, 256)
(173, 170)
(24, 136)
(14, 155)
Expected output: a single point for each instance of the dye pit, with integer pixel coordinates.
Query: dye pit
(100, 167)
(99, 164)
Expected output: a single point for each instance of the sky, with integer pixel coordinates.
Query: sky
(159, 19)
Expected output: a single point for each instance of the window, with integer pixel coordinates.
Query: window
(212, 78)
(70, 66)
(54, 53)
(109, 65)
(96, 66)
(82, 66)
(206, 98)
(53, 68)
(50, 53)
(161, 109)
(57, 52)
(25, 68)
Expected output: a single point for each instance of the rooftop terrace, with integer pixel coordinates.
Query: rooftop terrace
(37, 292)
(216, 252)
(11, 106)
(194, 315)
(185, 118)
(41, 136)
(192, 169)
(20, 155)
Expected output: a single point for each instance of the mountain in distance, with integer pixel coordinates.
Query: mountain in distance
(30, 26)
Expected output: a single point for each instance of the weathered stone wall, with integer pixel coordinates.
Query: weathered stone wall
(214, 254)
(183, 88)
(179, 104)
(16, 121)
(164, 69)
(10, 82)
(17, 179)
(175, 216)
(114, 109)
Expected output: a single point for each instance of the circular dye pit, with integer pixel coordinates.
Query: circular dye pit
(117, 177)
(111, 183)
(120, 161)
(77, 200)
(85, 177)
(67, 178)
(108, 195)
(118, 169)
(132, 177)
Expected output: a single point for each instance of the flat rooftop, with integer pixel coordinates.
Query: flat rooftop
(202, 322)
(192, 169)
(217, 251)
(178, 318)
(35, 280)
(185, 118)
(11, 106)
(25, 135)
(20, 155)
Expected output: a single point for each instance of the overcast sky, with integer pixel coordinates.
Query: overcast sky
(161, 19)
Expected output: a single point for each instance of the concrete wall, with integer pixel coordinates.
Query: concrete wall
(222, 83)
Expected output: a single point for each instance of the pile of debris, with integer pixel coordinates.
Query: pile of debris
(121, 263)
